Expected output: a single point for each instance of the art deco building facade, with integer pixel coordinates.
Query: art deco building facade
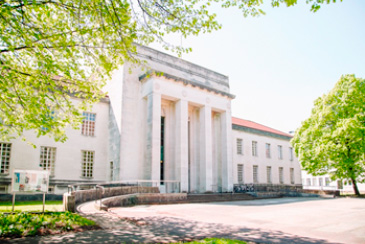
(169, 120)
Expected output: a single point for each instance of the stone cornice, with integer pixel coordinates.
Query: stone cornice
(260, 132)
(184, 81)
(179, 67)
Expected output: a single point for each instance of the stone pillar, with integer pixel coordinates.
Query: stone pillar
(206, 168)
(153, 150)
(182, 151)
(227, 161)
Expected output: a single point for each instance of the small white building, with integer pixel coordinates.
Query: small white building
(324, 182)
(168, 120)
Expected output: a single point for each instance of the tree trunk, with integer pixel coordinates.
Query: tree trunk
(354, 185)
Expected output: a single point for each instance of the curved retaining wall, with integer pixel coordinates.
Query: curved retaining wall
(71, 200)
(140, 199)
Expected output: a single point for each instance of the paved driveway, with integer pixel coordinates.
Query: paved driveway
(309, 219)
(284, 220)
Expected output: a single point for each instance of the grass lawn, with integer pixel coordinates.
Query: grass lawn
(31, 206)
(216, 241)
(30, 224)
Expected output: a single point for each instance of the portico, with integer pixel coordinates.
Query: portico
(188, 133)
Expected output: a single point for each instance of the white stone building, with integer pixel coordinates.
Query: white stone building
(168, 120)
(263, 155)
(324, 182)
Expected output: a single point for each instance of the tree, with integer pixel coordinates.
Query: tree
(332, 139)
(51, 50)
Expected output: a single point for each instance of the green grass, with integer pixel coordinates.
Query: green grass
(31, 206)
(28, 224)
(217, 241)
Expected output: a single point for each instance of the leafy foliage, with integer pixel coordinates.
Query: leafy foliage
(331, 140)
(52, 50)
(26, 224)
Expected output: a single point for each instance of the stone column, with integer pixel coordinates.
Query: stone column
(181, 150)
(153, 150)
(205, 120)
(227, 161)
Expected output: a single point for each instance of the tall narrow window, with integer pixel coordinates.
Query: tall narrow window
(291, 156)
(309, 182)
(268, 152)
(87, 164)
(162, 155)
(48, 159)
(281, 175)
(240, 173)
(255, 174)
(111, 170)
(88, 124)
(5, 149)
(268, 173)
(239, 146)
(254, 148)
(327, 180)
(280, 152)
(292, 180)
(320, 181)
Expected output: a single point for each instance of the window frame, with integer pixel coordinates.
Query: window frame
(87, 166)
(88, 125)
(268, 150)
(254, 149)
(280, 152)
(48, 162)
(269, 174)
(5, 157)
(239, 146)
(240, 172)
(281, 175)
(255, 174)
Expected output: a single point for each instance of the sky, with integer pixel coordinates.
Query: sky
(279, 63)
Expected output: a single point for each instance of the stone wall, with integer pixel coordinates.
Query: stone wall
(142, 198)
(71, 200)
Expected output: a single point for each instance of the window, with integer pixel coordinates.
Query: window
(291, 154)
(314, 180)
(327, 180)
(47, 159)
(239, 146)
(254, 148)
(281, 175)
(5, 149)
(268, 173)
(280, 151)
(292, 181)
(320, 181)
(309, 183)
(255, 174)
(268, 153)
(88, 124)
(111, 170)
(87, 164)
(240, 173)
(3, 189)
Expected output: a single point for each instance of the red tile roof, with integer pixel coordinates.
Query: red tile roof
(256, 126)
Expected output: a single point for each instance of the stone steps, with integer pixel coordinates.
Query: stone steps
(219, 197)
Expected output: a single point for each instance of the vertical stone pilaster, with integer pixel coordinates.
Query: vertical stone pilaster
(206, 168)
(227, 160)
(182, 157)
(153, 150)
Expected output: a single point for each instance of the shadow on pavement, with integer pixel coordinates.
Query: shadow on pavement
(166, 230)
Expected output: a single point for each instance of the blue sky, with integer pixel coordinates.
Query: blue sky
(279, 63)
